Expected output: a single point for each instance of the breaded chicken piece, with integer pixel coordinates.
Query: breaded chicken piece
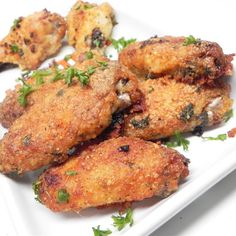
(90, 26)
(33, 39)
(171, 106)
(115, 171)
(65, 115)
(186, 59)
(10, 108)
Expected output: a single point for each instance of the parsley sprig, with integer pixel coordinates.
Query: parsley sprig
(121, 43)
(220, 137)
(99, 232)
(190, 40)
(177, 141)
(35, 187)
(121, 221)
(228, 115)
(24, 91)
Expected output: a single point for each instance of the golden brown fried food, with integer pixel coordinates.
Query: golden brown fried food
(197, 61)
(115, 171)
(10, 109)
(90, 26)
(66, 114)
(32, 39)
(172, 106)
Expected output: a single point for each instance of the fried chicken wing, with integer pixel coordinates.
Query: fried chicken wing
(65, 113)
(196, 61)
(90, 26)
(115, 171)
(172, 106)
(32, 39)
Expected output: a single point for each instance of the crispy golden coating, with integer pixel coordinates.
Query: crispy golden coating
(115, 171)
(10, 109)
(90, 26)
(175, 106)
(202, 62)
(32, 39)
(64, 116)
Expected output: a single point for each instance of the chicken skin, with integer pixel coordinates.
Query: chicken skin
(33, 39)
(90, 26)
(67, 112)
(171, 106)
(185, 59)
(115, 171)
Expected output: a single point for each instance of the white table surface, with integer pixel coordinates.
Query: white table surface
(211, 214)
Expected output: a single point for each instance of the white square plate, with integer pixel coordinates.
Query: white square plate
(210, 161)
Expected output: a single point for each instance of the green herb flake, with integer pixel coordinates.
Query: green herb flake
(77, 8)
(121, 221)
(187, 113)
(150, 89)
(99, 232)
(87, 7)
(228, 115)
(14, 48)
(62, 196)
(89, 55)
(71, 172)
(35, 187)
(102, 64)
(40, 74)
(24, 91)
(70, 73)
(16, 23)
(140, 124)
(190, 40)
(220, 137)
(67, 57)
(58, 76)
(177, 141)
(97, 43)
(121, 43)
(83, 76)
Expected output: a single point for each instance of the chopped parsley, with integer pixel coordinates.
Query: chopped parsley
(67, 57)
(187, 113)
(228, 115)
(121, 43)
(190, 40)
(99, 232)
(58, 76)
(71, 172)
(97, 43)
(150, 89)
(70, 73)
(16, 23)
(83, 76)
(63, 196)
(14, 48)
(140, 124)
(39, 75)
(35, 187)
(102, 64)
(89, 55)
(88, 6)
(177, 141)
(24, 91)
(121, 221)
(220, 137)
